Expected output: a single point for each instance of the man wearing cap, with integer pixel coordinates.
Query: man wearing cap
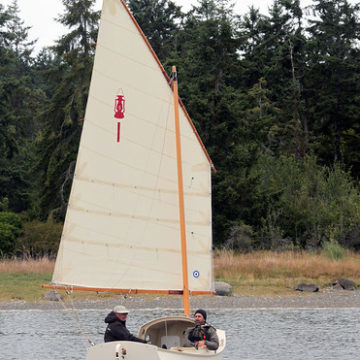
(202, 335)
(116, 329)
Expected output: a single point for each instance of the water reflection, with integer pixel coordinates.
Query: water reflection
(251, 334)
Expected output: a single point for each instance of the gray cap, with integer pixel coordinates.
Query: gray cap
(120, 309)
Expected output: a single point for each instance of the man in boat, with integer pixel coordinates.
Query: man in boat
(116, 329)
(202, 335)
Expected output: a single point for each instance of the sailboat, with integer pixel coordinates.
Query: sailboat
(139, 212)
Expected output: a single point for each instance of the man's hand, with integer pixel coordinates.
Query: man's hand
(200, 344)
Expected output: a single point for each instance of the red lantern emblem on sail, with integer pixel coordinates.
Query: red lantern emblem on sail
(119, 107)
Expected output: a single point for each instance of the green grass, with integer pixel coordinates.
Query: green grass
(28, 287)
(23, 286)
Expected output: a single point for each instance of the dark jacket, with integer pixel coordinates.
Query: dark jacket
(207, 333)
(116, 330)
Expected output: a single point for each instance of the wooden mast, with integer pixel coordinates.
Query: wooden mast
(181, 196)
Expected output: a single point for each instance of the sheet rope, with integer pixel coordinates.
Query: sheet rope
(76, 318)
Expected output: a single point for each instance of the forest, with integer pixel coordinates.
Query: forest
(275, 98)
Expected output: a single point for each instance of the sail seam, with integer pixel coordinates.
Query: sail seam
(170, 180)
(137, 187)
(137, 217)
(73, 239)
(155, 175)
(112, 52)
(192, 233)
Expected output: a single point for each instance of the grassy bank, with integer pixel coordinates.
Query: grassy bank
(22, 279)
(272, 273)
(257, 273)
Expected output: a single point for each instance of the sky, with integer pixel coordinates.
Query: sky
(40, 15)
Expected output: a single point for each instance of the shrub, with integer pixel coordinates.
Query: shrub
(333, 250)
(240, 238)
(39, 239)
(10, 218)
(4, 204)
(10, 228)
(305, 202)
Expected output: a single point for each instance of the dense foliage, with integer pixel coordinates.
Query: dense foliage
(274, 97)
(10, 229)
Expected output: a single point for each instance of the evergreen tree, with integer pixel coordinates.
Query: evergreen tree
(20, 44)
(160, 21)
(64, 115)
(332, 81)
(19, 103)
(83, 22)
(274, 51)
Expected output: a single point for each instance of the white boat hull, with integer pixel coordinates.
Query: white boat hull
(128, 350)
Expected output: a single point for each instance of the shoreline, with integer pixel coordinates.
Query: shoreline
(327, 298)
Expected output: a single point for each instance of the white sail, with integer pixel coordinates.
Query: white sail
(122, 224)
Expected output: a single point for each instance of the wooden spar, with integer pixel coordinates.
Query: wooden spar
(126, 291)
(181, 196)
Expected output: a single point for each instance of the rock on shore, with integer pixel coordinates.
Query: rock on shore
(307, 287)
(53, 295)
(222, 288)
(343, 284)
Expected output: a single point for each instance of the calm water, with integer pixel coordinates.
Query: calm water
(251, 334)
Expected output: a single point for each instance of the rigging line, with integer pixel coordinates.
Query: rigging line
(166, 129)
(77, 323)
(68, 293)
(166, 330)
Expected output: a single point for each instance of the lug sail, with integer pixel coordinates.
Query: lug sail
(122, 224)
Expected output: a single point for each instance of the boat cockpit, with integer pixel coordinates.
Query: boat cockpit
(167, 332)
